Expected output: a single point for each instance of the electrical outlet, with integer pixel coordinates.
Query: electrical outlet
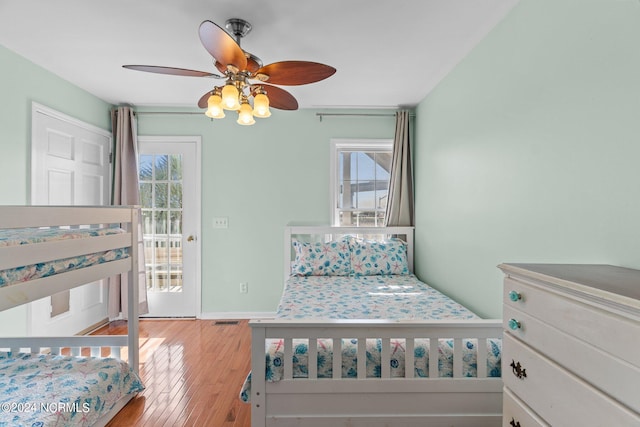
(221, 222)
(244, 288)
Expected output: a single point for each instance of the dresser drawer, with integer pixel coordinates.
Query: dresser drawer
(610, 332)
(516, 413)
(557, 396)
(606, 372)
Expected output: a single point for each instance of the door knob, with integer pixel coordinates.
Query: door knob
(191, 238)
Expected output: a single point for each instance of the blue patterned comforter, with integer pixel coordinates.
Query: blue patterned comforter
(44, 390)
(24, 236)
(399, 297)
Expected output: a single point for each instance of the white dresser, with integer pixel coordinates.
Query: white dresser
(571, 350)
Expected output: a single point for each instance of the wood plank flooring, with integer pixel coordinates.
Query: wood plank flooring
(192, 370)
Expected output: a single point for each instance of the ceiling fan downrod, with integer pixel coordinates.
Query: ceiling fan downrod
(238, 27)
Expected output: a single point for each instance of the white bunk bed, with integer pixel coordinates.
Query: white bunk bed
(121, 382)
(388, 399)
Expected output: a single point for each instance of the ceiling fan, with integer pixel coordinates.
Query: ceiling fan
(247, 79)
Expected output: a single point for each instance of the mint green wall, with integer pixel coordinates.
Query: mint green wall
(529, 151)
(261, 177)
(22, 83)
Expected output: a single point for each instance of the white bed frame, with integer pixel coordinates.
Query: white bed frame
(384, 401)
(22, 293)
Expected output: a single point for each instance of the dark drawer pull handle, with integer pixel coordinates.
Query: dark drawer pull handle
(514, 423)
(518, 370)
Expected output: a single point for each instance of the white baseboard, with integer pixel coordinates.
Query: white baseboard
(238, 315)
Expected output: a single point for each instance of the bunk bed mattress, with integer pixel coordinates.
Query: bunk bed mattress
(46, 390)
(26, 236)
(391, 297)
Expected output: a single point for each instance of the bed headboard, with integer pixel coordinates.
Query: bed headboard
(313, 233)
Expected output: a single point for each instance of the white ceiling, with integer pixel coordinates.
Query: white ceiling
(387, 54)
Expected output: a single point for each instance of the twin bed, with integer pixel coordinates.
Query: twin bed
(76, 380)
(358, 340)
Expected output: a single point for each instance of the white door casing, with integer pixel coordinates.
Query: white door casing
(69, 166)
(183, 300)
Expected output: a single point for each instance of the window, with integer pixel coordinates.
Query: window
(161, 200)
(359, 181)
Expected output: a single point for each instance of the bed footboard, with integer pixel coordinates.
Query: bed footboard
(382, 400)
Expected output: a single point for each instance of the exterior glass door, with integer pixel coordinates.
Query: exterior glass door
(169, 229)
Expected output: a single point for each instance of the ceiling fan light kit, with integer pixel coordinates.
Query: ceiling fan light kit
(239, 68)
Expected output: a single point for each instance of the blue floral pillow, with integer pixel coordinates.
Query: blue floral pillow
(371, 258)
(321, 259)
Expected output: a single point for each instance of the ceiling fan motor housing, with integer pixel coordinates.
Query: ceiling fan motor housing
(238, 27)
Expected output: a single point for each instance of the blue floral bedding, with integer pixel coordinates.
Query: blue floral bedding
(24, 236)
(44, 390)
(400, 297)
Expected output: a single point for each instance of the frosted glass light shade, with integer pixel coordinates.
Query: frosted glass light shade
(215, 110)
(245, 115)
(261, 106)
(230, 97)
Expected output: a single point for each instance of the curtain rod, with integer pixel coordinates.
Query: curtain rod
(321, 115)
(169, 112)
(142, 113)
(317, 114)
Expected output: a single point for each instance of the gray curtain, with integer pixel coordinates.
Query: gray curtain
(126, 191)
(400, 200)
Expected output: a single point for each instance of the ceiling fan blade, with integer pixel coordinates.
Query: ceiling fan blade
(171, 70)
(203, 101)
(293, 73)
(221, 45)
(278, 98)
(220, 67)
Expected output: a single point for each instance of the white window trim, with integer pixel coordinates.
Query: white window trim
(335, 146)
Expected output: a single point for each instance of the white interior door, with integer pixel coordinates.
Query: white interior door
(170, 197)
(69, 166)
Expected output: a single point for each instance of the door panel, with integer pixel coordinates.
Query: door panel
(70, 166)
(60, 188)
(169, 195)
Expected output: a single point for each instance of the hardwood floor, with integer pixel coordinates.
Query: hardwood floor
(192, 370)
